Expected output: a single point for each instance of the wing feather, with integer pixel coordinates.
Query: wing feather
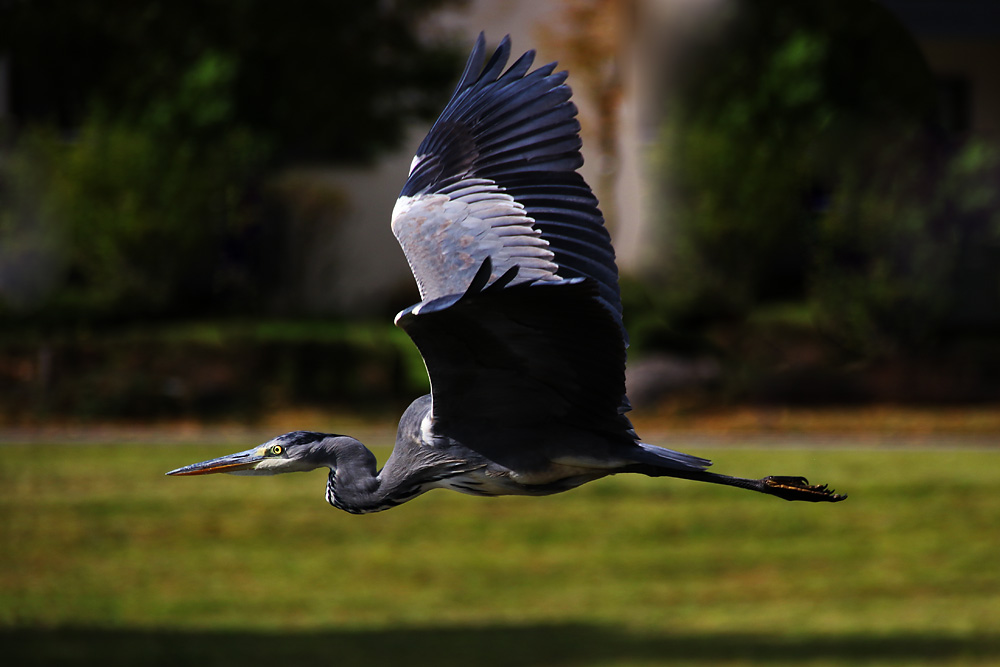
(509, 137)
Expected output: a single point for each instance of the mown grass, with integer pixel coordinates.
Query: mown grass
(106, 561)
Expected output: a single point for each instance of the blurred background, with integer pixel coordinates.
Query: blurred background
(195, 251)
(194, 198)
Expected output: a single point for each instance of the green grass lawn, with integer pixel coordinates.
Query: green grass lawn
(106, 561)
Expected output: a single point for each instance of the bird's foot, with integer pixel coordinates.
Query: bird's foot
(799, 488)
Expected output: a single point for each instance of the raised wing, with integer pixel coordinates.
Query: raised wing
(496, 178)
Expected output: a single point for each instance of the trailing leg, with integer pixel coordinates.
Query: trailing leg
(786, 487)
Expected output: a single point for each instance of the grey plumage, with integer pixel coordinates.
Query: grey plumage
(519, 322)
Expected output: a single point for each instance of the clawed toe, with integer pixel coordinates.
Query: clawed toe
(798, 488)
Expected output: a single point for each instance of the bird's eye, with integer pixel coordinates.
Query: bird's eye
(276, 450)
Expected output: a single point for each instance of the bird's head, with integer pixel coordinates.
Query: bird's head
(299, 451)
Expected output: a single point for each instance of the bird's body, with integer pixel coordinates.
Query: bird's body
(519, 324)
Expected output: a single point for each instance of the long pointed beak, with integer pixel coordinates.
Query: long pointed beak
(247, 460)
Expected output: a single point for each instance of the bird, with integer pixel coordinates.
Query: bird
(519, 321)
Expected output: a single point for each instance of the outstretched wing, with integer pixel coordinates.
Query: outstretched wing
(496, 178)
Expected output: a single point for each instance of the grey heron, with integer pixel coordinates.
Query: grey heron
(519, 323)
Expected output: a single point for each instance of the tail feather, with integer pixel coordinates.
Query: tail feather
(667, 458)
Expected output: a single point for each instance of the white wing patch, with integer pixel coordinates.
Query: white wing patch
(447, 235)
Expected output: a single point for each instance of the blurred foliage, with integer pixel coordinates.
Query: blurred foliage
(327, 80)
(144, 134)
(805, 164)
(909, 251)
(136, 217)
(238, 368)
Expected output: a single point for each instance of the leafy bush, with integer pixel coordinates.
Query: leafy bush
(909, 252)
(803, 164)
(741, 170)
(134, 216)
(143, 130)
(208, 368)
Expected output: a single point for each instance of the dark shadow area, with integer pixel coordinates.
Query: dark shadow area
(485, 646)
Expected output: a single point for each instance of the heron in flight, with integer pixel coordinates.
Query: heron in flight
(519, 323)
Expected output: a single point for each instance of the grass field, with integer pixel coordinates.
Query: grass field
(106, 561)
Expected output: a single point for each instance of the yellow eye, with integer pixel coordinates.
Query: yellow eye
(276, 450)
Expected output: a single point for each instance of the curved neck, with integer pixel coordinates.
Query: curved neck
(353, 485)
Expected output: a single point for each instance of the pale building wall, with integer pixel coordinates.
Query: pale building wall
(662, 35)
